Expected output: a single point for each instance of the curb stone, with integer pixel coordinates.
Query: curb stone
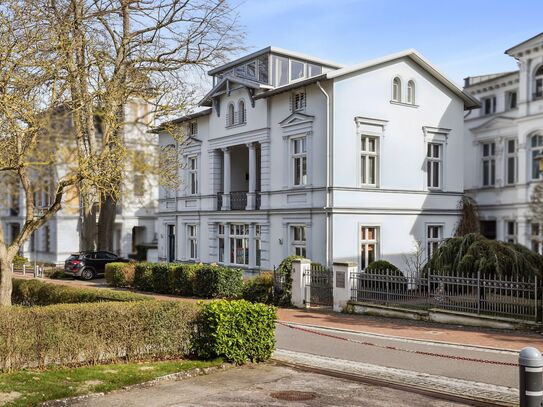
(187, 374)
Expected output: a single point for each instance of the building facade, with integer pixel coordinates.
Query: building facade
(502, 141)
(136, 210)
(291, 154)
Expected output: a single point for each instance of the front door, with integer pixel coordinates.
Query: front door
(171, 243)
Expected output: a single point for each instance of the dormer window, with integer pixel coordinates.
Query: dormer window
(538, 82)
(489, 105)
(397, 90)
(297, 70)
(511, 99)
(298, 101)
(411, 92)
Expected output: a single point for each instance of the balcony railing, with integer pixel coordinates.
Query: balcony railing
(238, 200)
(257, 201)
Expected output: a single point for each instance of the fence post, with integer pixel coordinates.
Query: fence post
(478, 292)
(530, 377)
(299, 268)
(429, 294)
(387, 285)
(342, 291)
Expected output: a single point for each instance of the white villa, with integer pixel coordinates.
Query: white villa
(502, 141)
(291, 154)
(135, 219)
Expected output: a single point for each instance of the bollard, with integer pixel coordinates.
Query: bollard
(530, 377)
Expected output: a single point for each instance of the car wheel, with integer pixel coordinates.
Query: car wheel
(87, 274)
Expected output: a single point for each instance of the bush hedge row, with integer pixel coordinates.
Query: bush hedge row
(35, 292)
(202, 280)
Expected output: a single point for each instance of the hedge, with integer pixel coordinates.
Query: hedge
(239, 331)
(143, 276)
(259, 289)
(182, 278)
(120, 274)
(35, 292)
(213, 281)
(74, 334)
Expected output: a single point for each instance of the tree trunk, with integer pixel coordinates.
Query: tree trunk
(106, 223)
(87, 241)
(6, 275)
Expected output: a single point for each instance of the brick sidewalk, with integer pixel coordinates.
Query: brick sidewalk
(492, 338)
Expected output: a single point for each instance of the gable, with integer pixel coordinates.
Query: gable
(496, 123)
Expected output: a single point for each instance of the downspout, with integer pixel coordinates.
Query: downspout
(327, 208)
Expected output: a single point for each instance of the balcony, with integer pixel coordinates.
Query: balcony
(238, 201)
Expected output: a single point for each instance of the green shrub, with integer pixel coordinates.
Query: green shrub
(213, 281)
(53, 273)
(239, 331)
(259, 289)
(397, 283)
(381, 266)
(283, 295)
(120, 274)
(35, 292)
(19, 260)
(181, 278)
(143, 276)
(161, 278)
(70, 334)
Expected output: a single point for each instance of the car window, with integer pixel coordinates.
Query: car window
(91, 256)
(106, 256)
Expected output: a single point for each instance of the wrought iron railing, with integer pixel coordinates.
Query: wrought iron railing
(511, 297)
(238, 201)
(258, 200)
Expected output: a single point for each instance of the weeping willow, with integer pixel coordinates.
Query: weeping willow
(474, 253)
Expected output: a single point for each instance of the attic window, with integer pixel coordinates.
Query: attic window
(298, 101)
(297, 70)
(193, 128)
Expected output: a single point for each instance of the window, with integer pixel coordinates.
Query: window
(193, 129)
(314, 70)
(511, 99)
(488, 229)
(489, 164)
(280, 65)
(192, 241)
(299, 161)
(489, 105)
(536, 146)
(397, 90)
(511, 162)
(536, 231)
(231, 116)
(411, 92)
(220, 238)
(297, 70)
(368, 160)
(433, 165)
(193, 175)
(434, 236)
(239, 244)
(298, 101)
(258, 244)
(538, 84)
(510, 231)
(251, 70)
(298, 241)
(242, 113)
(263, 67)
(139, 185)
(369, 241)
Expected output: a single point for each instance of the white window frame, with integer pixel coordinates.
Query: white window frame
(235, 229)
(536, 237)
(299, 100)
(433, 241)
(492, 100)
(242, 112)
(411, 92)
(366, 157)
(430, 167)
(510, 231)
(397, 89)
(298, 240)
(509, 99)
(192, 242)
(490, 160)
(193, 170)
(366, 242)
(230, 114)
(511, 159)
(258, 245)
(299, 161)
(193, 128)
(538, 82)
(538, 150)
(304, 75)
(221, 236)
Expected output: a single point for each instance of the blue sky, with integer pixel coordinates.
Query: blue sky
(460, 37)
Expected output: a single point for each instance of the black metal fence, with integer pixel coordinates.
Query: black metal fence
(511, 297)
(319, 280)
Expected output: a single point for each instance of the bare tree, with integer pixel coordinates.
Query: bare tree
(415, 260)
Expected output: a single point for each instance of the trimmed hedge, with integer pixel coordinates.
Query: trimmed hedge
(120, 274)
(213, 281)
(35, 292)
(182, 278)
(74, 334)
(143, 276)
(239, 331)
(259, 289)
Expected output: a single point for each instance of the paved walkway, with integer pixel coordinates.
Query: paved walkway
(492, 338)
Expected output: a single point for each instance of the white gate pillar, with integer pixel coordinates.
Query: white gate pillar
(342, 283)
(299, 268)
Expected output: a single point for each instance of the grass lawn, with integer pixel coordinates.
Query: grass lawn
(32, 387)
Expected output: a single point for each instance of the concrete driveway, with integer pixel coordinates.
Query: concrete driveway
(263, 385)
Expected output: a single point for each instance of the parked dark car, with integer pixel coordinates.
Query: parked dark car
(88, 265)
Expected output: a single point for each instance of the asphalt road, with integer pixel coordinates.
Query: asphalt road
(449, 366)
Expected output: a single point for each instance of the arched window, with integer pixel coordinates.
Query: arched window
(538, 82)
(536, 147)
(411, 92)
(397, 90)
(241, 112)
(230, 117)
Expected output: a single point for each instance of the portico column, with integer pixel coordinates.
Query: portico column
(226, 180)
(251, 196)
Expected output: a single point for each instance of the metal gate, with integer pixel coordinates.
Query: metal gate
(319, 286)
